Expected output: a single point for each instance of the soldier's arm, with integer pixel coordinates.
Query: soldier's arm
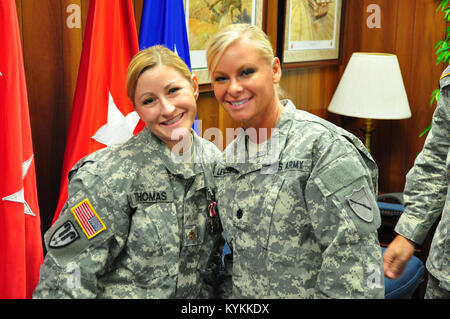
(82, 242)
(426, 183)
(345, 218)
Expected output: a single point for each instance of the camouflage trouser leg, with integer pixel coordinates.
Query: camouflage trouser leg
(434, 291)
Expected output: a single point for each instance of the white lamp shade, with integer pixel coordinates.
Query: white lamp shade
(371, 87)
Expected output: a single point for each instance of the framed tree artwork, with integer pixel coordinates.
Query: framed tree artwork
(312, 32)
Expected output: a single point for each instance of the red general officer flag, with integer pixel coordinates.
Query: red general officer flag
(21, 251)
(102, 114)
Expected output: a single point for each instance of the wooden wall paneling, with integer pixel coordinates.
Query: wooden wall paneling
(271, 22)
(208, 117)
(404, 37)
(380, 39)
(311, 89)
(329, 82)
(72, 43)
(84, 14)
(72, 39)
(19, 17)
(207, 112)
(395, 173)
(43, 59)
(227, 125)
(353, 21)
(302, 78)
(318, 95)
(287, 85)
(424, 78)
(297, 87)
(138, 4)
(309, 94)
(314, 92)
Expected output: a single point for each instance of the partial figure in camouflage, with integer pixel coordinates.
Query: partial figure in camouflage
(427, 198)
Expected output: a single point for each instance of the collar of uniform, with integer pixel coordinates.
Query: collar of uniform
(285, 121)
(236, 155)
(167, 159)
(186, 166)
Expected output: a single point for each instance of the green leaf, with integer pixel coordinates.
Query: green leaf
(434, 97)
(442, 49)
(439, 43)
(442, 5)
(446, 16)
(425, 131)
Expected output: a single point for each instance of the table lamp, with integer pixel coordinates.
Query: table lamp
(371, 88)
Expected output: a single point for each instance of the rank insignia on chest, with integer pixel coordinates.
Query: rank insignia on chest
(90, 222)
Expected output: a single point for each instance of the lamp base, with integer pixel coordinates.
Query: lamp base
(367, 130)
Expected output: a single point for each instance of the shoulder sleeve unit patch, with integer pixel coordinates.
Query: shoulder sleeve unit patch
(90, 222)
(360, 204)
(64, 235)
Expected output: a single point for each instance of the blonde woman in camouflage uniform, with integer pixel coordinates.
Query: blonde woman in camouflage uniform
(136, 222)
(427, 198)
(295, 192)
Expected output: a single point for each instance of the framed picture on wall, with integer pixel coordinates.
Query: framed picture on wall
(312, 32)
(206, 17)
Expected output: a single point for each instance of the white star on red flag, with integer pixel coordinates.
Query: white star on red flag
(19, 196)
(119, 128)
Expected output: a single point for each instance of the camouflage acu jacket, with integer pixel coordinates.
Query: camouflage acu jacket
(427, 193)
(301, 215)
(135, 226)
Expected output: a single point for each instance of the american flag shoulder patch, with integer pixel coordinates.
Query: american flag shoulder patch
(90, 222)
